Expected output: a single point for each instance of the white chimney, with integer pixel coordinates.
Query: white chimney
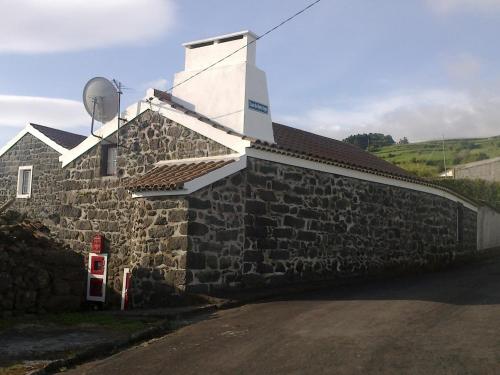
(233, 92)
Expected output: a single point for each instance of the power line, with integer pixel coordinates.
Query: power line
(246, 45)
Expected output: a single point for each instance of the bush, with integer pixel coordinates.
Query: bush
(435, 162)
(479, 190)
(482, 156)
(373, 141)
(469, 145)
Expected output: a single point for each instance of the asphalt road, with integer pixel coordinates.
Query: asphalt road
(441, 323)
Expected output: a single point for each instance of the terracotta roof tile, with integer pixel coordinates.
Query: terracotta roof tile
(315, 146)
(174, 176)
(65, 139)
(310, 146)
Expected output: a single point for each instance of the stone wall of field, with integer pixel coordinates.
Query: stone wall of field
(37, 274)
(305, 225)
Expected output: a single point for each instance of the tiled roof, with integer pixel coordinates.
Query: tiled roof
(313, 146)
(174, 176)
(310, 145)
(65, 139)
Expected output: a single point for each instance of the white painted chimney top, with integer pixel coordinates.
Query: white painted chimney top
(234, 91)
(217, 39)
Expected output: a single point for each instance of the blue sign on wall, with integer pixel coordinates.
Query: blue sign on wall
(259, 107)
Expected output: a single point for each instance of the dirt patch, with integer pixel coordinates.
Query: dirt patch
(29, 341)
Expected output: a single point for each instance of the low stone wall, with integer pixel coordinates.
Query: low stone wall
(37, 275)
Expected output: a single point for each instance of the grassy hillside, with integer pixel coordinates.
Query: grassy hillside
(426, 158)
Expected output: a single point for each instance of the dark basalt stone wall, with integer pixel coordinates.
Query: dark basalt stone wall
(149, 235)
(268, 224)
(37, 273)
(302, 225)
(46, 183)
(216, 233)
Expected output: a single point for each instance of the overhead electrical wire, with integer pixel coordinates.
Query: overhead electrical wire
(246, 45)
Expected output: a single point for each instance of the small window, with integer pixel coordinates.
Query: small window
(109, 156)
(24, 178)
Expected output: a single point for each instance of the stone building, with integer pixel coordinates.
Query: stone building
(205, 193)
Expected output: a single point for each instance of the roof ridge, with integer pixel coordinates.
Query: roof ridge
(322, 136)
(324, 148)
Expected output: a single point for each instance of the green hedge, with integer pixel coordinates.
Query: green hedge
(479, 190)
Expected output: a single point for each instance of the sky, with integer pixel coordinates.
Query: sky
(420, 69)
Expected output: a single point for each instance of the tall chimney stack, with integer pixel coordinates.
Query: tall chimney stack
(233, 92)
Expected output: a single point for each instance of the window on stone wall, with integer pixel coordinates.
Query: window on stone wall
(24, 178)
(460, 223)
(108, 160)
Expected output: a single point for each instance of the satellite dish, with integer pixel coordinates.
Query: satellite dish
(101, 99)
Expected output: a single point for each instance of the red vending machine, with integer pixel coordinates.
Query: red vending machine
(97, 271)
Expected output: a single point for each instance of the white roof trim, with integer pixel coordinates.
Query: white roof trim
(104, 131)
(200, 182)
(36, 133)
(290, 160)
(233, 142)
(198, 160)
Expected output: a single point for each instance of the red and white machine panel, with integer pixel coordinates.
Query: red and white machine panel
(98, 244)
(97, 272)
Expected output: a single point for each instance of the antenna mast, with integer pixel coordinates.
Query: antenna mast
(444, 158)
(118, 86)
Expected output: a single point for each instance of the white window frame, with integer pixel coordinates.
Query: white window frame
(111, 164)
(20, 182)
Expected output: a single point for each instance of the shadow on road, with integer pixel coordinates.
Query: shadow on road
(477, 283)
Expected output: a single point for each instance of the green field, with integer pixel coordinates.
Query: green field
(425, 159)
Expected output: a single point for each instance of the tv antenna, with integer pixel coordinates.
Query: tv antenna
(101, 98)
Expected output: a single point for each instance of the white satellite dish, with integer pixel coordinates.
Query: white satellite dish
(101, 99)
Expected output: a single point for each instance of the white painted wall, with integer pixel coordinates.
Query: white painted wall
(222, 93)
(199, 58)
(488, 228)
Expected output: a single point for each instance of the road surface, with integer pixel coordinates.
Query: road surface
(440, 323)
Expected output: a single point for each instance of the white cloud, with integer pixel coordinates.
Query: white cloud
(159, 84)
(34, 26)
(17, 111)
(423, 115)
(447, 6)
